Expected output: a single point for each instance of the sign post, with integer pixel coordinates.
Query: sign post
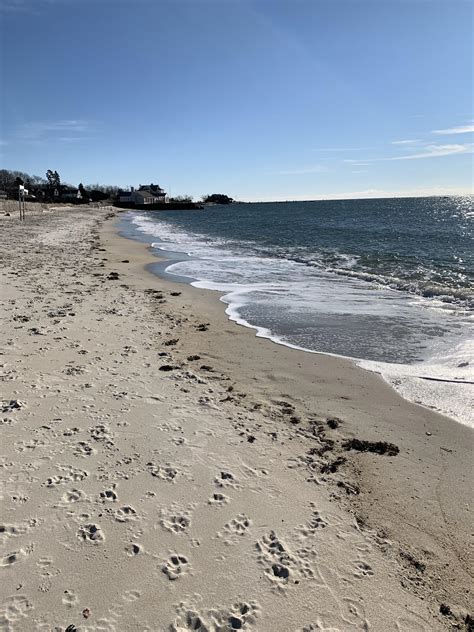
(21, 201)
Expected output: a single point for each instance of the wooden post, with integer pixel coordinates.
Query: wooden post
(21, 202)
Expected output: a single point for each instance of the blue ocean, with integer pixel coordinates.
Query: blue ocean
(387, 282)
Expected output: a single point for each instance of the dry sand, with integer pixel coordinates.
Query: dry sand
(216, 495)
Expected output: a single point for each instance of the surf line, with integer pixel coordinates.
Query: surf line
(431, 379)
(440, 379)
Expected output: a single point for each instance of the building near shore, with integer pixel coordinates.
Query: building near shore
(145, 194)
(71, 193)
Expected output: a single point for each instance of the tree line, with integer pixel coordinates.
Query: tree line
(51, 188)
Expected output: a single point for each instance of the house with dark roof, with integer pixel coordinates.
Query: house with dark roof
(125, 196)
(70, 193)
(145, 194)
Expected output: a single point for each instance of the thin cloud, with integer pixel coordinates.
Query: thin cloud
(72, 139)
(406, 142)
(304, 170)
(29, 6)
(434, 151)
(427, 151)
(34, 7)
(343, 149)
(52, 130)
(15, 6)
(462, 129)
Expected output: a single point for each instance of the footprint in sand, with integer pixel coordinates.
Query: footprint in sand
(47, 568)
(73, 496)
(19, 498)
(11, 405)
(108, 494)
(31, 445)
(314, 524)
(241, 615)
(178, 523)
(14, 609)
(7, 421)
(83, 449)
(235, 529)
(14, 530)
(68, 475)
(281, 565)
(125, 514)
(178, 440)
(175, 566)
(133, 549)
(102, 434)
(91, 533)
(7, 530)
(131, 595)
(218, 500)
(362, 569)
(225, 479)
(164, 472)
(69, 599)
(12, 558)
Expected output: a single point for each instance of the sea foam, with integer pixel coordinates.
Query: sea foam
(421, 346)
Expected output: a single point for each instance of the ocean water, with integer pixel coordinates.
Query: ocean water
(388, 282)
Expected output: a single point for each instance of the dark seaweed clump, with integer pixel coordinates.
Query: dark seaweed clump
(379, 447)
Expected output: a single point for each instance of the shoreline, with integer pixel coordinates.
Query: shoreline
(166, 470)
(413, 381)
(397, 376)
(378, 412)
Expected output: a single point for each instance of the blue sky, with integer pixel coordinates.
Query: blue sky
(259, 99)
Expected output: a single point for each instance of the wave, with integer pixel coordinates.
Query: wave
(455, 289)
(413, 333)
(442, 383)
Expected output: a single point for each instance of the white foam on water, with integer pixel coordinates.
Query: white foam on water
(442, 381)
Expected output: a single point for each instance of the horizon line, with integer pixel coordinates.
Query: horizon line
(343, 199)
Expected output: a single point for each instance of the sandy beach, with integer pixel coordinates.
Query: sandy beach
(164, 469)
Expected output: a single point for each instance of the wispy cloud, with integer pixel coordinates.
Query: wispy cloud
(343, 149)
(462, 129)
(304, 170)
(424, 151)
(63, 130)
(410, 141)
(72, 139)
(30, 6)
(15, 6)
(434, 151)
